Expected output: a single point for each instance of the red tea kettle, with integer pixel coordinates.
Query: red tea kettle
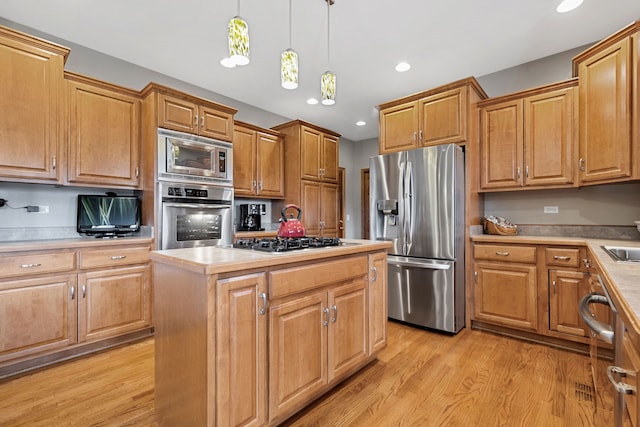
(291, 227)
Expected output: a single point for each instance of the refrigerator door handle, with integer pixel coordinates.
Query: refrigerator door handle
(408, 190)
(402, 213)
(426, 264)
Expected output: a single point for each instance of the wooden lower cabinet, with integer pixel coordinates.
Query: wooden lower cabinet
(37, 316)
(265, 343)
(566, 289)
(113, 302)
(54, 302)
(506, 294)
(241, 351)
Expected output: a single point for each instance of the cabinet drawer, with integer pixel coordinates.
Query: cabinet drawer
(23, 265)
(299, 279)
(113, 257)
(505, 253)
(569, 257)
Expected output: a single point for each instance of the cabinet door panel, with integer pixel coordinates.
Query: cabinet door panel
(501, 145)
(329, 158)
(37, 315)
(113, 302)
(605, 85)
(311, 207)
(297, 353)
(30, 107)
(244, 162)
(505, 294)
(566, 288)
(310, 153)
(549, 138)
(330, 204)
(378, 305)
(348, 343)
(104, 136)
(270, 166)
(215, 124)
(443, 117)
(399, 128)
(241, 352)
(177, 114)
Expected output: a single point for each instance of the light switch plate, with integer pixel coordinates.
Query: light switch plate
(551, 209)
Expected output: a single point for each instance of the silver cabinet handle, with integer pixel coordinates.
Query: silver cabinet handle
(263, 297)
(195, 121)
(202, 121)
(502, 253)
(137, 171)
(326, 316)
(115, 257)
(581, 164)
(518, 172)
(53, 162)
(84, 291)
(586, 263)
(30, 265)
(335, 313)
(260, 185)
(561, 258)
(553, 283)
(526, 171)
(255, 185)
(415, 136)
(374, 277)
(73, 292)
(475, 275)
(621, 387)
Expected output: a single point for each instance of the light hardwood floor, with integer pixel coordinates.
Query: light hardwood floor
(421, 379)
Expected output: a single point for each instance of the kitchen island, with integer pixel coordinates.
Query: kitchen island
(248, 337)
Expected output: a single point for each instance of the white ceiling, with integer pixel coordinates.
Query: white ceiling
(444, 41)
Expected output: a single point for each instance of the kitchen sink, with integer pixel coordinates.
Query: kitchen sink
(623, 254)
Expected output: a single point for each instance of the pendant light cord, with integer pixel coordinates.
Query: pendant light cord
(328, 33)
(289, 23)
(239, 8)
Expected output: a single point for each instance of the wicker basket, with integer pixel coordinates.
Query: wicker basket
(499, 226)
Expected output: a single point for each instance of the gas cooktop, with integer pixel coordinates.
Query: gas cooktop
(283, 244)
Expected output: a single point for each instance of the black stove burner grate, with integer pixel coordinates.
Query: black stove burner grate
(283, 244)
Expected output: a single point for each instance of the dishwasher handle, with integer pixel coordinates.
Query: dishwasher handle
(602, 330)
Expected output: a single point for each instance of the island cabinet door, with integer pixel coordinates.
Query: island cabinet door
(378, 311)
(297, 353)
(348, 341)
(241, 351)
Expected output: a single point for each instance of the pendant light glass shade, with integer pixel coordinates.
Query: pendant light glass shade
(289, 69)
(238, 41)
(328, 88)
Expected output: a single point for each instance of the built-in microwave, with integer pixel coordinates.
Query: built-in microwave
(183, 157)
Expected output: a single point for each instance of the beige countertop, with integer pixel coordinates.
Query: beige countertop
(213, 260)
(77, 243)
(622, 278)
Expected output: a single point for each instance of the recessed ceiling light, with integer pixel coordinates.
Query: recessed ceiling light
(227, 62)
(361, 123)
(402, 67)
(312, 101)
(568, 5)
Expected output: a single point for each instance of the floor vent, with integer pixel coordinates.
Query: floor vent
(584, 392)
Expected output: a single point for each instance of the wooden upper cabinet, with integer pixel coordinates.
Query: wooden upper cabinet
(528, 139)
(103, 132)
(399, 128)
(258, 162)
(311, 154)
(609, 141)
(436, 116)
(31, 106)
(186, 113)
(329, 158)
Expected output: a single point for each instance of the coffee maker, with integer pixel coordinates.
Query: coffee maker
(250, 216)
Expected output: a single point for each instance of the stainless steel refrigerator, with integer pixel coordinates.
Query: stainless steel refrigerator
(417, 203)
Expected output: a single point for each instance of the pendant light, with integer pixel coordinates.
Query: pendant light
(289, 63)
(238, 40)
(328, 79)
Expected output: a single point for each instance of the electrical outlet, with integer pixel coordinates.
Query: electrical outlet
(43, 209)
(551, 209)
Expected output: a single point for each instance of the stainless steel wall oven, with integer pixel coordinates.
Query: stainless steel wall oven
(193, 215)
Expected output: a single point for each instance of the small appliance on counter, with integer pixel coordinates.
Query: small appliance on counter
(250, 214)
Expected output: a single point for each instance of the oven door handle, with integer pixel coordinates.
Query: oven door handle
(195, 205)
(602, 330)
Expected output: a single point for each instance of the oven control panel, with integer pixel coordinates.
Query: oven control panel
(187, 192)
